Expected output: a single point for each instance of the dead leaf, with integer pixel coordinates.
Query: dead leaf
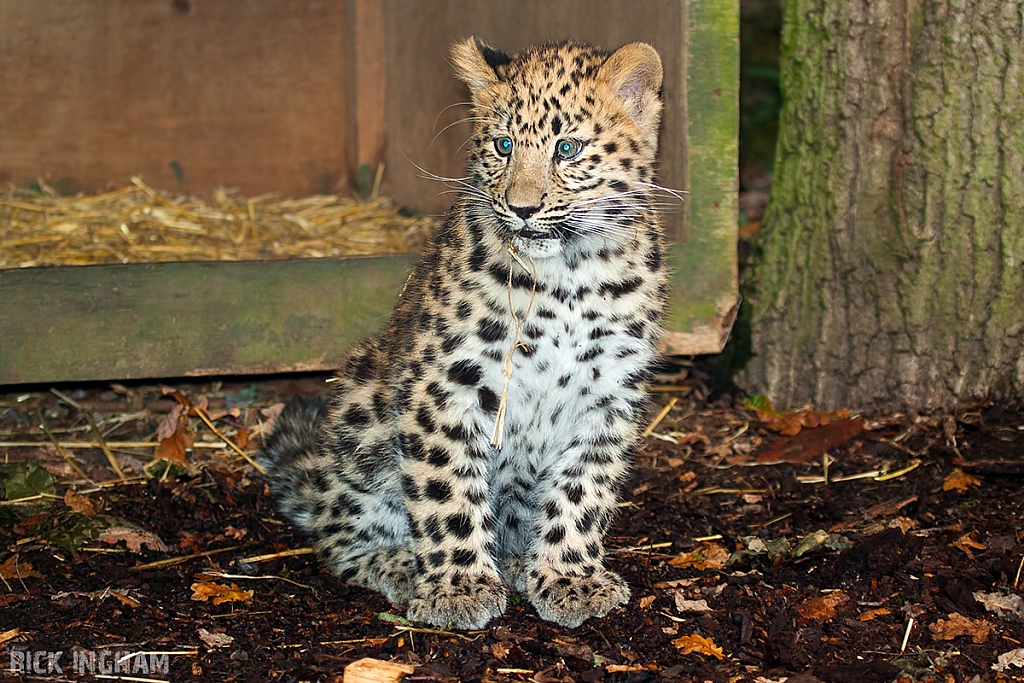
(960, 481)
(822, 608)
(200, 405)
(811, 444)
(218, 593)
(699, 644)
(1007, 607)
(133, 538)
(694, 438)
(790, 423)
(215, 639)
(684, 606)
(174, 449)
(958, 625)
(501, 650)
(966, 543)
(13, 569)
(710, 556)
(169, 424)
(1008, 659)
(873, 614)
(242, 436)
(78, 503)
(647, 602)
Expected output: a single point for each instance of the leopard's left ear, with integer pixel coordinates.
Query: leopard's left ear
(476, 63)
(635, 74)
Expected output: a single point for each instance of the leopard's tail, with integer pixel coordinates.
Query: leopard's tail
(292, 443)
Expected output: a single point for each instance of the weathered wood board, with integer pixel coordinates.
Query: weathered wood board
(295, 96)
(190, 319)
(234, 94)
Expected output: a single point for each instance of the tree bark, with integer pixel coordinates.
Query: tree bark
(890, 272)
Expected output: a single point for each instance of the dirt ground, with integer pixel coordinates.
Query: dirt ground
(896, 554)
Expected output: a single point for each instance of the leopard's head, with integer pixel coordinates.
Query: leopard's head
(564, 142)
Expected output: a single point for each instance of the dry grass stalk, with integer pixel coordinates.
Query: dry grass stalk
(209, 423)
(95, 430)
(138, 224)
(506, 367)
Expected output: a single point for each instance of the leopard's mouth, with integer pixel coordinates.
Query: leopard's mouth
(528, 234)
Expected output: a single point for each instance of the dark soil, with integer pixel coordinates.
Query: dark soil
(916, 554)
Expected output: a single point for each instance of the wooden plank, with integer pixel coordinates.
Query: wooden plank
(421, 86)
(188, 319)
(368, 77)
(706, 292)
(237, 94)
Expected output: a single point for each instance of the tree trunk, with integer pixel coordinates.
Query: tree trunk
(891, 264)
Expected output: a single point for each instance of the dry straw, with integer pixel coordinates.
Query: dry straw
(138, 224)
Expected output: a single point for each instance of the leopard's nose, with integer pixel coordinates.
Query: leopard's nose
(524, 212)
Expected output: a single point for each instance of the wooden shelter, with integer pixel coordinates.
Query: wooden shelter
(298, 96)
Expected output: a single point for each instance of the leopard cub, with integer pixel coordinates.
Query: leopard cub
(478, 443)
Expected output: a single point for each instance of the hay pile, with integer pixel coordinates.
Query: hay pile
(138, 224)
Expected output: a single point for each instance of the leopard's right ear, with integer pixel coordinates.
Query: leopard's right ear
(477, 63)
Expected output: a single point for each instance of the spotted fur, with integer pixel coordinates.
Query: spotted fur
(397, 479)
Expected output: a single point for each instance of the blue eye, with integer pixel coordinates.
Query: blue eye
(503, 146)
(568, 149)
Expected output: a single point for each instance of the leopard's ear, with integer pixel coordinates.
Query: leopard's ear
(634, 72)
(476, 63)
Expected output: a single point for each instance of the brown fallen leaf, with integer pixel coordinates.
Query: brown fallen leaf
(791, 422)
(79, 503)
(699, 644)
(959, 481)
(967, 544)
(501, 649)
(711, 556)
(218, 593)
(173, 432)
(811, 443)
(13, 569)
(958, 625)
(822, 608)
(133, 538)
(873, 614)
(646, 602)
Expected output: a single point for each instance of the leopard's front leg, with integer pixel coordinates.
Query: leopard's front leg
(445, 485)
(567, 581)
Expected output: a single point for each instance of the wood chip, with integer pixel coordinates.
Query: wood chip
(370, 670)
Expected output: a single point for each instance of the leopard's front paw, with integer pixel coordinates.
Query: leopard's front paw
(461, 599)
(571, 600)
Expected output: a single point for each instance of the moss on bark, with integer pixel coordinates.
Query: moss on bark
(892, 255)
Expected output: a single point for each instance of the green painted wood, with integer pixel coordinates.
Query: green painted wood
(182, 319)
(704, 259)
